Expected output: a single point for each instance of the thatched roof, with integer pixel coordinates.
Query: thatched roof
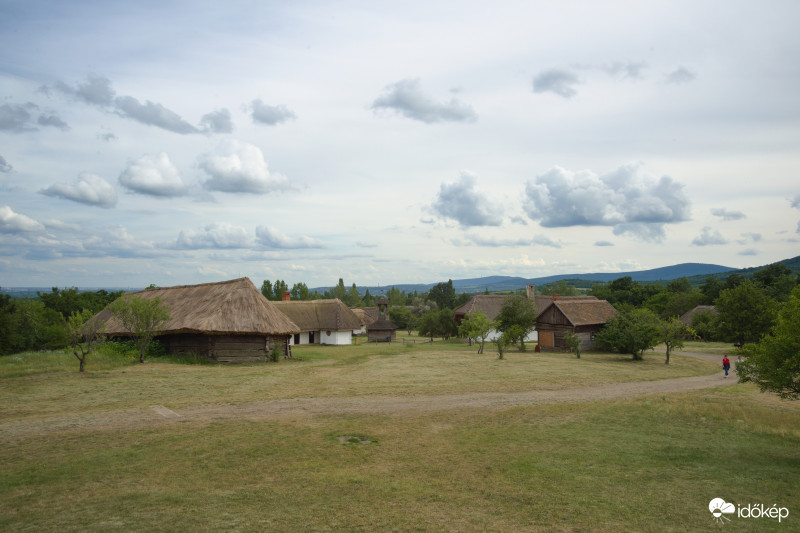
(686, 317)
(364, 316)
(232, 307)
(488, 304)
(317, 315)
(584, 312)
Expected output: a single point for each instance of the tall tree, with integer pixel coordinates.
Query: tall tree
(143, 318)
(300, 292)
(774, 362)
(353, 298)
(745, 313)
(266, 289)
(443, 294)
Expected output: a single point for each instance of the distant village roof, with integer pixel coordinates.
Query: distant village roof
(490, 304)
(686, 317)
(234, 307)
(364, 316)
(317, 315)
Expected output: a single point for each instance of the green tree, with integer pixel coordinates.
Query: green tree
(339, 291)
(443, 294)
(353, 298)
(517, 318)
(673, 333)
(559, 287)
(744, 313)
(300, 292)
(704, 325)
(632, 331)
(396, 296)
(438, 323)
(774, 362)
(574, 343)
(83, 333)
(266, 289)
(711, 289)
(476, 326)
(400, 316)
(368, 300)
(142, 318)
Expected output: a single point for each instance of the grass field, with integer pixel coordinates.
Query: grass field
(644, 463)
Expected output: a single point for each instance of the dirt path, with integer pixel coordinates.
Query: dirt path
(376, 405)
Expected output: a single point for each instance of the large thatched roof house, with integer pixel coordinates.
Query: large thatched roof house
(225, 321)
(320, 321)
(583, 318)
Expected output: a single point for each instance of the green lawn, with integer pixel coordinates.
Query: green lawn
(647, 463)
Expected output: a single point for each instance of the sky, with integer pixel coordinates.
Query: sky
(393, 142)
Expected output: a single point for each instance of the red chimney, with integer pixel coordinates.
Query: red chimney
(286, 296)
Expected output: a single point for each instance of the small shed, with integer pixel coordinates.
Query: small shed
(583, 318)
(382, 330)
(321, 321)
(365, 318)
(228, 321)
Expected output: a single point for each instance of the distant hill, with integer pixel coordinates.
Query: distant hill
(510, 283)
(695, 272)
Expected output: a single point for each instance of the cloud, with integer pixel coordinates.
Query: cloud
(464, 203)
(219, 235)
(5, 166)
(96, 90)
(494, 242)
(749, 252)
(796, 202)
(558, 81)
(90, 189)
(604, 243)
(749, 237)
(217, 122)
(53, 120)
(271, 115)
(107, 137)
(626, 198)
(18, 118)
(15, 117)
(154, 175)
(152, 114)
(272, 238)
(626, 70)
(114, 242)
(726, 215)
(240, 168)
(362, 244)
(406, 98)
(681, 75)
(15, 223)
(709, 238)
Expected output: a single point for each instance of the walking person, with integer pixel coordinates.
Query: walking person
(726, 364)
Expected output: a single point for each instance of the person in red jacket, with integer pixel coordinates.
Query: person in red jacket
(726, 364)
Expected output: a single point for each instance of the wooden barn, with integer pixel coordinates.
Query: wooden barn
(320, 321)
(583, 318)
(228, 321)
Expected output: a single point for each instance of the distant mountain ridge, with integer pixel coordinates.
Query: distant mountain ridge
(505, 283)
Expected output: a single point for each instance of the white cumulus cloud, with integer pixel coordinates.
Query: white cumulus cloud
(240, 168)
(272, 238)
(463, 202)
(89, 189)
(11, 222)
(406, 98)
(153, 175)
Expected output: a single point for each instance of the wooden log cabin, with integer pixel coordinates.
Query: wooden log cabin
(583, 318)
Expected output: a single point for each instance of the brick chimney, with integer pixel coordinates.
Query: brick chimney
(286, 296)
